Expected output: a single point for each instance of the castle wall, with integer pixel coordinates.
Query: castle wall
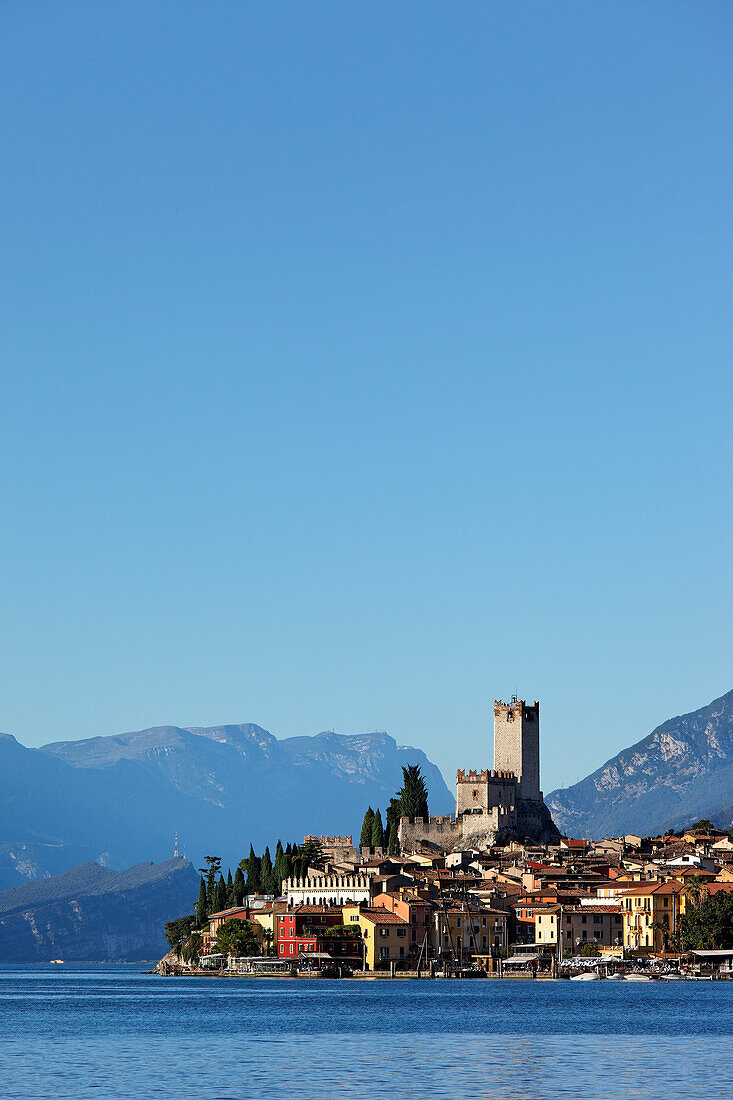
(517, 744)
(442, 831)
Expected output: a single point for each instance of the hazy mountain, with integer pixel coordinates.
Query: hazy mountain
(94, 913)
(118, 800)
(681, 772)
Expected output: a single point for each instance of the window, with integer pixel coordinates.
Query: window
(383, 931)
(401, 932)
(596, 920)
(583, 920)
(483, 922)
(402, 952)
(384, 952)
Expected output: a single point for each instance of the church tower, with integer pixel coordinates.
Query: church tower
(517, 743)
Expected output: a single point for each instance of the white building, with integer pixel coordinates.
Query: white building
(326, 888)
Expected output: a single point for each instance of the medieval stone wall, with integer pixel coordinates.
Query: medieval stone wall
(443, 831)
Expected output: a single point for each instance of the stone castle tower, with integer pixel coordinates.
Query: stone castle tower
(517, 744)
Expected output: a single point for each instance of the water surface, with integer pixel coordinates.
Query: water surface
(110, 1031)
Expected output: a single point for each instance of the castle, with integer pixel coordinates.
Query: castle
(501, 804)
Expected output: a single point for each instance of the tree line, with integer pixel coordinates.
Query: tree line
(254, 874)
(410, 801)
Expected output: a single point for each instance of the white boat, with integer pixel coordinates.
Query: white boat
(616, 978)
(638, 978)
(588, 976)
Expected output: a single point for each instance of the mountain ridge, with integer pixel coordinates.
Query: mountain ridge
(681, 771)
(119, 799)
(92, 913)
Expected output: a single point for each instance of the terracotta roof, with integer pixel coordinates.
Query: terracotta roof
(593, 909)
(229, 912)
(330, 909)
(382, 916)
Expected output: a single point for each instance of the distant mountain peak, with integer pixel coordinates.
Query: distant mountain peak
(682, 770)
(121, 798)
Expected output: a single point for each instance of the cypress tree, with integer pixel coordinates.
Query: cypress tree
(377, 831)
(202, 912)
(253, 873)
(393, 842)
(220, 895)
(366, 829)
(414, 793)
(266, 872)
(239, 888)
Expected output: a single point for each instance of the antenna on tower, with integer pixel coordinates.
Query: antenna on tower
(175, 846)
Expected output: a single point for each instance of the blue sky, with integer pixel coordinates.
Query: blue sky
(362, 363)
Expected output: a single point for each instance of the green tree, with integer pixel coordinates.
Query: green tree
(377, 831)
(253, 873)
(267, 874)
(311, 854)
(394, 813)
(414, 794)
(239, 887)
(178, 933)
(708, 925)
(219, 897)
(192, 948)
(202, 908)
(695, 890)
(237, 937)
(210, 871)
(367, 825)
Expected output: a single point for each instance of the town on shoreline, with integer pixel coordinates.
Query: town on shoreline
(493, 891)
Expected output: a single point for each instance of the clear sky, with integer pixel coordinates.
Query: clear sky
(362, 363)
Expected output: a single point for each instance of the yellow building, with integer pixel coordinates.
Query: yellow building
(651, 913)
(384, 936)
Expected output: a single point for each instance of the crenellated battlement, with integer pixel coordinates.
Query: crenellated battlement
(472, 776)
(484, 776)
(345, 841)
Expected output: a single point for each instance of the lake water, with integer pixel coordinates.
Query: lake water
(108, 1031)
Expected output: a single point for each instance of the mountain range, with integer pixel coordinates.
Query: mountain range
(119, 800)
(679, 773)
(92, 913)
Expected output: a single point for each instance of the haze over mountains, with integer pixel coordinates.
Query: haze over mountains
(681, 772)
(92, 913)
(120, 799)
